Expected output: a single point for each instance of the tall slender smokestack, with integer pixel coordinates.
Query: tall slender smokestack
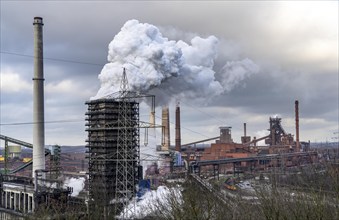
(297, 147)
(38, 99)
(244, 129)
(152, 119)
(166, 129)
(177, 129)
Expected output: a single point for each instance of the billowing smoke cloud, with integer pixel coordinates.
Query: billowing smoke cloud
(152, 200)
(234, 72)
(169, 69)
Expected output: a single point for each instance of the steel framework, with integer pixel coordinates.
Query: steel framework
(114, 151)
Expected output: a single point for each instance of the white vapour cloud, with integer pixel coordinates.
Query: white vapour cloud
(152, 200)
(154, 63)
(234, 72)
(77, 184)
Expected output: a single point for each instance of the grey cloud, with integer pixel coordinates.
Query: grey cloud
(81, 31)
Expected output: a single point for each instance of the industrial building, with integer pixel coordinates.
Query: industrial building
(226, 156)
(113, 153)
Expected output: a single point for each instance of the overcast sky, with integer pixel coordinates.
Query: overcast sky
(294, 44)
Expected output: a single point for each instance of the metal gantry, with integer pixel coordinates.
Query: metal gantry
(15, 141)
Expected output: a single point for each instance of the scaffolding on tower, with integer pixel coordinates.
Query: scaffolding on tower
(113, 150)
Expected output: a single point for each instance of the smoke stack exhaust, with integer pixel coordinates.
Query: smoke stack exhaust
(177, 129)
(166, 129)
(38, 99)
(297, 147)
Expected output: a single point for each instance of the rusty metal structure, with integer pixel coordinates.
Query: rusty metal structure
(245, 138)
(166, 129)
(278, 136)
(225, 135)
(297, 147)
(177, 129)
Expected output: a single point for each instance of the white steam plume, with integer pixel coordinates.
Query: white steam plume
(234, 72)
(152, 200)
(169, 69)
(76, 183)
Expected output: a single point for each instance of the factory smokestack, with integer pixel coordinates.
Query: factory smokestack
(244, 129)
(166, 129)
(38, 99)
(297, 126)
(152, 119)
(177, 129)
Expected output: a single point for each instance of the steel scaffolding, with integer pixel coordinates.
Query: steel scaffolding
(113, 153)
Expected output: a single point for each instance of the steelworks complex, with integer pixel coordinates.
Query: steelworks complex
(112, 167)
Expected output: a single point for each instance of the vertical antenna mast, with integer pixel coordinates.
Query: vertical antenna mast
(124, 88)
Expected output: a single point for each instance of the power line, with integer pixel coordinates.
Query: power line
(46, 122)
(53, 59)
(196, 108)
(94, 64)
(185, 128)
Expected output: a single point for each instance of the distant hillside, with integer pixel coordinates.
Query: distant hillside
(73, 149)
(64, 149)
(325, 145)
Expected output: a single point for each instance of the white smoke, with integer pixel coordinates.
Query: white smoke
(169, 69)
(276, 116)
(152, 200)
(234, 72)
(76, 183)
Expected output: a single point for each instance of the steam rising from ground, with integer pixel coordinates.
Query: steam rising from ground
(169, 69)
(153, 201)
(76, 183)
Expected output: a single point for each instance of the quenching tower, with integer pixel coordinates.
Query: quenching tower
(113, 153)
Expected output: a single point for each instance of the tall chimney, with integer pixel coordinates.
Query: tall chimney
(152, 116)
(245, 130)
(152, 119)
(177, 129)
(166, 129)
(297, 147)
(38, 99)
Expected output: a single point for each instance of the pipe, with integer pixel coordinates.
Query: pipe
(38, 100)
(297, 125)
(177, 129)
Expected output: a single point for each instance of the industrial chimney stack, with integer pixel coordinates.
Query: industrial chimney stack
(244, 129)
(166, 129)
(297, 147)
(38, 99)
(177, 129)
